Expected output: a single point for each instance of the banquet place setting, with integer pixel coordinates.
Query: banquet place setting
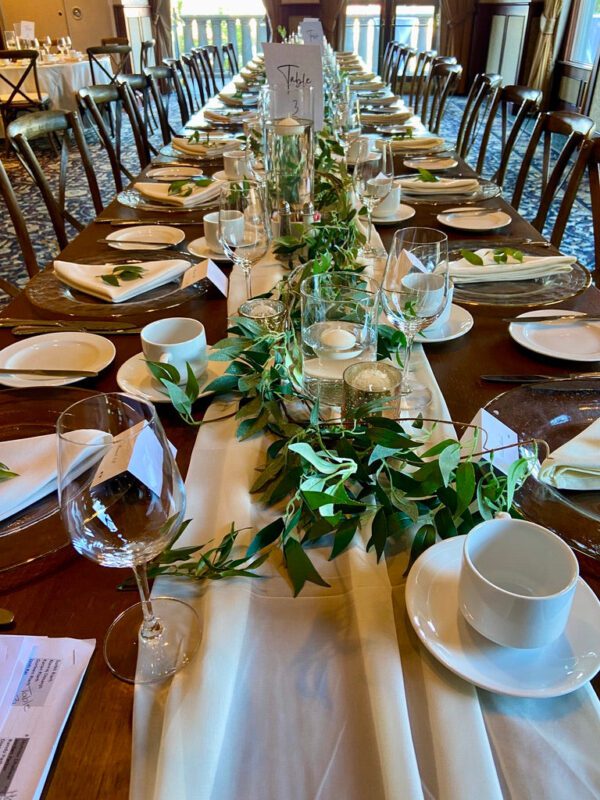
(323, 403)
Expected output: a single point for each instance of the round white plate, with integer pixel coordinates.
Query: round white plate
(135, 378)
(160, 234)
(466, 222)
(220, 175)
(557, 669)
(432, 164)
(571, 341)
(402, 213)
(173, 173)
(460, 322)
(61, 350)
(198, 247)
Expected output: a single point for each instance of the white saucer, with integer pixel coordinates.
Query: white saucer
(220, 176)
(466, 222)
(575, 341)
(198, 247)
(173, 173)
(402, 213)
(557, 669)
(431, 164)
(161, 234)
(61, 350)
(460, 322)
(134, 377)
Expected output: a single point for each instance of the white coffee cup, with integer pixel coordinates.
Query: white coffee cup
(517, 582)
(175, 341)
(445, 315)
(235, 164)
(390, 204)
(234, 226)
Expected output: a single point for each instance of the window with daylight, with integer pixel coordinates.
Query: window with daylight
(584, 39)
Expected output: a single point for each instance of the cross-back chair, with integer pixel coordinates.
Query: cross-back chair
(214, 63)
(20, 226)
(204, 69)
(572, 129)
(120, 59)
(147, 50)
(114, 40)
(196, 71)
(185, 79)
(170, 79)
(17, 95)
(481, 98)
(516, 104)
(442, 83)
(232, 59)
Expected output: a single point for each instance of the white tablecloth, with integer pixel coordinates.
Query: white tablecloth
(330, 696)
(60, 81)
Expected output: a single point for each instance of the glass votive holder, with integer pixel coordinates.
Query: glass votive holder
(270, 314)
(371, 388)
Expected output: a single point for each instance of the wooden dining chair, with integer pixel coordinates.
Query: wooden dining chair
(196, 72)
(214, 63)
(15, 97)
(481, 98)
(185, 81)
(61, 125)
(417, 84)
(232, 59)
(204, 68)
(120, 59)
(406, 56)
(166, 75)
(442, 84)
(146, 51)
(561, 134)
(420, 105)
(108, 40)
(516, 105)
(392, 50)
(20, 226)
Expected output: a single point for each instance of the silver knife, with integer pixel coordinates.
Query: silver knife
(471, 212)
(51, 373)
(100, 325)
(532, 378)
(124, 222)
(555, 318)
(32, 330)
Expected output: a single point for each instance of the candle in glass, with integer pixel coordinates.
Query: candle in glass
(374, 385)
(270, 314)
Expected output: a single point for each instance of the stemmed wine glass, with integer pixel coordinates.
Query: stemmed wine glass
(414, 292)
(244, 230)
(373, 181)
(122, 500)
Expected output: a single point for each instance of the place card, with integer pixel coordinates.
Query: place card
(311, 31)
(137, 451)
(209, 270)
(497, 435)
(295, 66)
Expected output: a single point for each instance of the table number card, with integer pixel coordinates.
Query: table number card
(295, 66)
(496, 435)
(311, 31)
(206, 269)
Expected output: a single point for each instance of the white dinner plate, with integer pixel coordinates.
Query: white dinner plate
(467, 222)
(557, 669)
(431, 164)
(460, 322)
(61, 350)
(402, 213)
(174, 173)
(157, 234)
(571, 341)
(198, 247)
(135, 378)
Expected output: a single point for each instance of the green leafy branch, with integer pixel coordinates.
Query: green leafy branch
(6, 474)
(427, 177)
(185, 186)
(182, 398)
(123, 272)
(501, 256)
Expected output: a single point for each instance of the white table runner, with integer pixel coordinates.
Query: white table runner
(330, 695)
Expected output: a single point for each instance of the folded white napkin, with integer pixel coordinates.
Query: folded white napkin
(230, 100)
(384, 100)
(364, 86)
(214, 147)
(221, 116)
(442, 186)
(386, 118)
(462, 271)
(200, 195)
(364, 76)
(34, 461)
(86, 278)
(576, 464)
(416, 143)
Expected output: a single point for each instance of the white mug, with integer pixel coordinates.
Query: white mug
(175, 341)
(235, 163)
(390, 204)
(234, 225)
(517, 582)
(444, 317)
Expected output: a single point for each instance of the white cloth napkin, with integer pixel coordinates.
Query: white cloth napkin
(221, 116)
(462, 271)
(363, 77)
(365, 86)
(34, 461)
(384, 100)
(214, 147)
(200, 195)
(442, 186)
(576, 463)
(230, 100)
(86, 278)
(386, 117)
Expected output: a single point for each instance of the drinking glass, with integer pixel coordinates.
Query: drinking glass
(414, 292)
(244, 244)
(11, 40)
(373, 181)
(338, 328)
(122, 500)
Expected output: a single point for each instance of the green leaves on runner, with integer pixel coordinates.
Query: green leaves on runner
(123, 272)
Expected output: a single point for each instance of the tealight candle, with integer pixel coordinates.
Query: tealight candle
(270, 314)
(289, 127)
(338, 339)
(373, 384)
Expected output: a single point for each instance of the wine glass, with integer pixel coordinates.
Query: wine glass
(62, 46)
(122, 501)
(373, 180)
(414, 293)
(244, 230)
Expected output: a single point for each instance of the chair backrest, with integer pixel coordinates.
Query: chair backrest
(18, 221)
(391, 50)
(406, 56)
(426, 89)
(442, 83)
(212, 56)
(481, 98)
(120, 58)
(196, 72)
(516, 103)
(170, 79)
(205, 69)
(184, 76)
(54, 123)
(146, 49)
(417, 84)
(572, 129)
(232, 59)
(114, 40)
(16, 93)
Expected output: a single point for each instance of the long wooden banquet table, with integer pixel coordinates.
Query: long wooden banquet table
(67, 595)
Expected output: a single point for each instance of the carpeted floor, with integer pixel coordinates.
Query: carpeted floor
(578, 237)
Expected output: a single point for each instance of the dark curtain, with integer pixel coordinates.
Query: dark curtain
(331, 12)
(161, 28)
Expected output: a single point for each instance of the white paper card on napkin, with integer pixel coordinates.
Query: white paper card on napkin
(295, 66)
(25, 29)
(497, 435)
(206, 269)
(138, 452)
(311, 31)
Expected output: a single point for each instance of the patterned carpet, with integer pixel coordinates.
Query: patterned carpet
(578, 237)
